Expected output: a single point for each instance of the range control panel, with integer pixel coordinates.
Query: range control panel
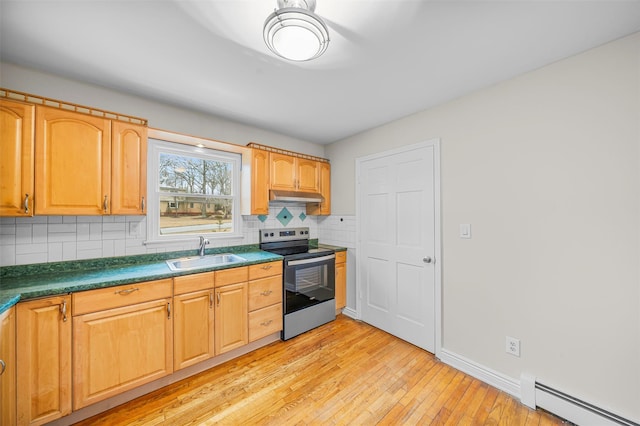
(283, 234)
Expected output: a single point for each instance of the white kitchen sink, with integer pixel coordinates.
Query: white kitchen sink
(197, 262)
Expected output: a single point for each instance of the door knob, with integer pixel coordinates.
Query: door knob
(427, 259)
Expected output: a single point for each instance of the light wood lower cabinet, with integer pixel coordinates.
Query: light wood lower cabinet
(8, 367)
(265, 299)
(231, 312)
(122, 347)
(43, 360)
(193, 330)
(341, 279)
(125, 336)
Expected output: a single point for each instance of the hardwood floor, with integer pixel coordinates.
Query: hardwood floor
(345, 372)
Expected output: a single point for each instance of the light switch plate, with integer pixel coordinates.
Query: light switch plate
(465, 230)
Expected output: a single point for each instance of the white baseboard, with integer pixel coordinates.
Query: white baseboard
(529, 394)
(351, 313)
(491, 377)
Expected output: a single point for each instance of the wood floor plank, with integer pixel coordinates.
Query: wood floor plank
(343, 373)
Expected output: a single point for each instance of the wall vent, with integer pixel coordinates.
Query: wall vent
(536, 394)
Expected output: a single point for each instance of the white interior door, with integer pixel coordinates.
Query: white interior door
(397, 238)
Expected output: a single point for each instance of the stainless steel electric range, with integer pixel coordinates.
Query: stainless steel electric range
(308, 281)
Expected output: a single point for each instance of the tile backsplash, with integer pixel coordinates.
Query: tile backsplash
(43, 239)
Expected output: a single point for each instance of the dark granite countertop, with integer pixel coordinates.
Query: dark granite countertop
(48, 279)
(329, 246)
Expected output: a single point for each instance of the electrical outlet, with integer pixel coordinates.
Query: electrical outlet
(513, 346)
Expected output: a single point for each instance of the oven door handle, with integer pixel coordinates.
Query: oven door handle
(311, 260)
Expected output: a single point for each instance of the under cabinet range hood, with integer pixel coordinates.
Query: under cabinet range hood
(295, 196)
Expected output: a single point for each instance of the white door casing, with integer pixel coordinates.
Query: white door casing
(398, 242)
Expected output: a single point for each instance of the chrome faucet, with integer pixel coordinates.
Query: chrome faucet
(203, 242)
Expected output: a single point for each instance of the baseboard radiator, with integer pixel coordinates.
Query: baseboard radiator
(536, 394)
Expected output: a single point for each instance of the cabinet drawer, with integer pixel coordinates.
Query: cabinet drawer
(265, 321)
(341, 256)
(113, 297)
(191, 283)
(265, 292)
(265, 270)
(232, 276)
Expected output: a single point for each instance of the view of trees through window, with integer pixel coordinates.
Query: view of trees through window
(195, 195)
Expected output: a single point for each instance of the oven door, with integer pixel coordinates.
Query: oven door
(308, 282)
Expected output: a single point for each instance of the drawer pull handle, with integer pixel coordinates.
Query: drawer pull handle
(266, 292)
(168, 310)
(26, 203)
(63, 310)
(105, 205)
(127, 291)
(211, 300)
(4, 366)
(266, 323)
(142, 204)
(267, 267)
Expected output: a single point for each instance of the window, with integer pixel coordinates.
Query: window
(192, 191)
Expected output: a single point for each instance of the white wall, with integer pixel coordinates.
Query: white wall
(160, 116)
(546, 169)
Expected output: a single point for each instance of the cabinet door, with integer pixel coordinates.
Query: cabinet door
(73, 163)
(259, 182)
(128, 168)
(43, 360)
(118, 349)
(307, 175)
(341, 280)
(231, 327)
(8, 368)
(16, 158)
(323, 208)
(283, 171)
(193, 328)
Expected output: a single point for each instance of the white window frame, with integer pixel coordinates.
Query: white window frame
(157, 146)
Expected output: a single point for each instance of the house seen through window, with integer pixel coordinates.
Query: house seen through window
(195, 191)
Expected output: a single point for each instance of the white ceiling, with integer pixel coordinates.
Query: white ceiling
(386, 59)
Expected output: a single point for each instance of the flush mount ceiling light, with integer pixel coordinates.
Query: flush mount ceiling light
(294, 32)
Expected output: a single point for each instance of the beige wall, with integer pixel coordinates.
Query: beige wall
(161, 116)
(546, 169)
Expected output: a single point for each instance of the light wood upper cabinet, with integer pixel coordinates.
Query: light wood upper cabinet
(293, 174)
(259, 181)
(323, 208)
(73, 163)
(120, 348)
(16, 158)
(307, 175)
(128, 168)
(8, 367)
(88, 165)
(43, 360)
